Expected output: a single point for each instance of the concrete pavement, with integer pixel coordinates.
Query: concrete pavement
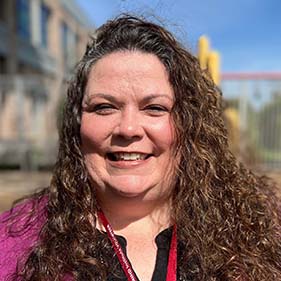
(15, 184)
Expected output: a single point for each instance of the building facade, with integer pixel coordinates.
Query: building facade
(40, 42)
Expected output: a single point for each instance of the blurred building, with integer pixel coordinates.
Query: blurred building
(40, 41)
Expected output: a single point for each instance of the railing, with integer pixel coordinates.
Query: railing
(255, 99)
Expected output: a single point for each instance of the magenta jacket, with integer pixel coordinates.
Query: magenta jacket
(19, 232)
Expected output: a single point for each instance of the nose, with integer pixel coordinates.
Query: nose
(129, 125)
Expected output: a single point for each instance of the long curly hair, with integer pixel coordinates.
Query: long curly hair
(227, 217)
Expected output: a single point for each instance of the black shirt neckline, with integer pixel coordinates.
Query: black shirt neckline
(163, 241)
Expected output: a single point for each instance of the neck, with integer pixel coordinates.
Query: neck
(134, 216)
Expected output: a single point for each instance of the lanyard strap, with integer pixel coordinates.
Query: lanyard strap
(127, 268)
(172, 263)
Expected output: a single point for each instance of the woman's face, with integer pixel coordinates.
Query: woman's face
(126, 128)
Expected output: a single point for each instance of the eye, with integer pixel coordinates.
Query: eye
(156, 109)
(103, 108)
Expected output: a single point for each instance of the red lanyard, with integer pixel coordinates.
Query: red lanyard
(172, 263)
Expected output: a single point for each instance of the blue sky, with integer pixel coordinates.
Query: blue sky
(247, 33)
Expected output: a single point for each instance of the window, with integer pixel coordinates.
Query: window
(68, 45)
(23, 18)
(3, 4)
(3, 65)
(64, 40)
(45, 13)
(3, 97)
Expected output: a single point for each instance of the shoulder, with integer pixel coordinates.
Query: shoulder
(19, 232)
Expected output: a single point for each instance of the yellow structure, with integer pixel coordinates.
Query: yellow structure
(203, 50)
(232, 122)
(214, 66)
(209, 59)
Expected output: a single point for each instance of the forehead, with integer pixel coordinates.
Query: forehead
(127, 71)
(135, 61)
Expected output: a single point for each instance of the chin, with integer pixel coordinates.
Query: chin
(130, 191)
(131, 187)
(129, 194)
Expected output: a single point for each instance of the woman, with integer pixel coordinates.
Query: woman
(144, 176)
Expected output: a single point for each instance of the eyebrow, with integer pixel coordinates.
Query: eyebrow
(100, 95)
(113, 99)
(153, 96)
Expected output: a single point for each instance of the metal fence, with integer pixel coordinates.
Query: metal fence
(253, 114)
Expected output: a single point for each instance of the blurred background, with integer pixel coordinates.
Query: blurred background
(41, 40)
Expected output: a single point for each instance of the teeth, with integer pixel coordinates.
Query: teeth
(129, 156)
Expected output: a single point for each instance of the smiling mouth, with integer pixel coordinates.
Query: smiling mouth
(122, 156)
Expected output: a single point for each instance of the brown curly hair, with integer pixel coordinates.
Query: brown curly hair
(227, 218)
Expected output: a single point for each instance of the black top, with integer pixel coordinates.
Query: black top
(163, 241)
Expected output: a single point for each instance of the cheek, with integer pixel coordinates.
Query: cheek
(92, 133)
(164, 133)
